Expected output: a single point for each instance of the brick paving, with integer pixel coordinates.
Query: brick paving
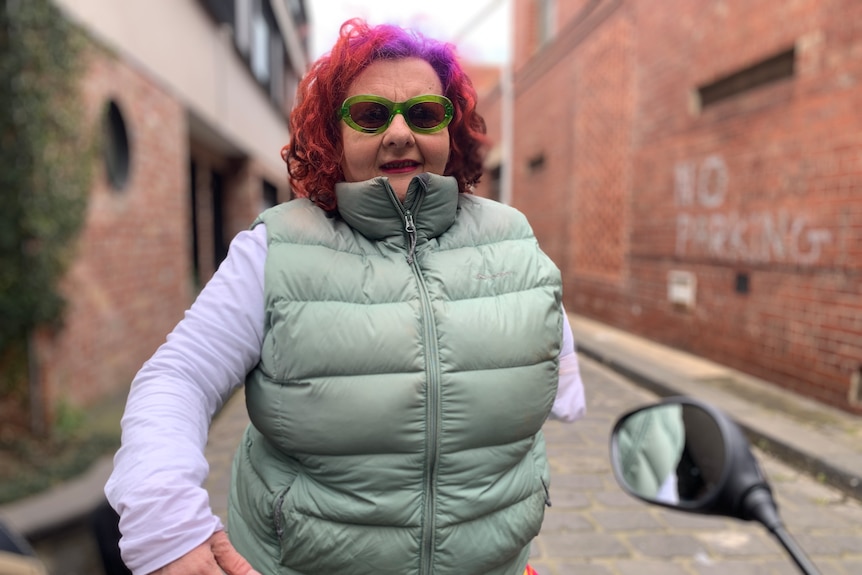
(594, 528)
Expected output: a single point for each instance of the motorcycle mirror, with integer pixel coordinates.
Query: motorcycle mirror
(687, 455)
(660, 458)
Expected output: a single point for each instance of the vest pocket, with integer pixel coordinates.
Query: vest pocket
(297, 553)
(279, 515)
(547, 494)
(541, 469)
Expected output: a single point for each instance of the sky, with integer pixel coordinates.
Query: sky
(479, 28)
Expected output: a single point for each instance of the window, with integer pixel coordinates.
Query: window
(536, 163)
(242, 28)
(297, 10)
(770, 70)
(259, 45)
(545, 19)
(258, 39)
(276, 57)
(496, 184)
(115, 146)
(742, 282)
(221, 10)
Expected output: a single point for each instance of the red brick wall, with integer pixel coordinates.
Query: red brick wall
(541, 169)
(133, 275)
(638, 181)
(130, 282)
(486, 80)
(526, 23)
(574, 110)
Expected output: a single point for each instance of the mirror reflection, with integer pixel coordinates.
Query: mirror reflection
(671, 453)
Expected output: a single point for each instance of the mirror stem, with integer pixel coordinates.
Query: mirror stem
(760, 506)
(805, 565)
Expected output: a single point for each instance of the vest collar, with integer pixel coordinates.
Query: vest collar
(372, 208)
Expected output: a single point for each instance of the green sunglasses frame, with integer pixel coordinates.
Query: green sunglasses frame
(397, 108)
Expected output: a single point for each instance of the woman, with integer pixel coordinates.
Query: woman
(401, 342)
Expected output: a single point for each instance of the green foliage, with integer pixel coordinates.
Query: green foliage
(68, 419)
(33, 466)
(29, 465)
(44, 164)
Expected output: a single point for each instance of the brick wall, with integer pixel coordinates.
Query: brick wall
(486, 81)
(130, 281)
(763, 188)
(142, 256)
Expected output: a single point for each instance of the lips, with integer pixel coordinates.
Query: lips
(400, 165)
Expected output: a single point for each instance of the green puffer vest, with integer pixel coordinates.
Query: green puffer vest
(408, 363)
(650, 445)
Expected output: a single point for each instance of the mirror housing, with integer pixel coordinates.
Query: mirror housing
(703, 455)
(703, 444)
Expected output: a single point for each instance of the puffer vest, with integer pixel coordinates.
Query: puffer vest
(408, 363)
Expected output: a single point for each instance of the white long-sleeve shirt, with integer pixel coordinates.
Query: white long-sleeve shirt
(159, 472)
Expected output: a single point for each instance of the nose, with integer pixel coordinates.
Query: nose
(398, 133)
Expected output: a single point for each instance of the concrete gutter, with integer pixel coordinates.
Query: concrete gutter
(61, 506)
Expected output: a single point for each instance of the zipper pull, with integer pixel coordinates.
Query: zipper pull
(410, 228)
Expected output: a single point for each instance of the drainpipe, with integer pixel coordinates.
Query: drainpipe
(507, 124)
(507, 108)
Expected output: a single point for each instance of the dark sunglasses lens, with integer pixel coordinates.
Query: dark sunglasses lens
(426, 114)
(369, 115)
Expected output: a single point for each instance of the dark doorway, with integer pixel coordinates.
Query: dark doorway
(219, 242)
(270, 195)
(193, 199)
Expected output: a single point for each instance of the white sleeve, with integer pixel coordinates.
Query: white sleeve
(570, 403)
(160, 469)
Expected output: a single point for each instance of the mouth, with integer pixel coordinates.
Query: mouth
(399, 166)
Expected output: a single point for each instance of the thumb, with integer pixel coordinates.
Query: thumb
(228, 558)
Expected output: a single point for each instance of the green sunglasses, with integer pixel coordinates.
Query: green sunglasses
(372, 114)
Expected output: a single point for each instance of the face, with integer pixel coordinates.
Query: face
(397, 153)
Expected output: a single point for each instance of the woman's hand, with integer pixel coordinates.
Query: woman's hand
(213, 557)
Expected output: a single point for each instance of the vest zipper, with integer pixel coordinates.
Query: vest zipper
(433, 386)
(410, 228)
(432, 440)
(407, 216)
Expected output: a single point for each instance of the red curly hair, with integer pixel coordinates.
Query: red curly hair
(313, 155)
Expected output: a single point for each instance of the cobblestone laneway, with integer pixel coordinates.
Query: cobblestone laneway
(594, 528)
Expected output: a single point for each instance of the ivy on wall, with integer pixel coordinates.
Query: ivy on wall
(45, 164)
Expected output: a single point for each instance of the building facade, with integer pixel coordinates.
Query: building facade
(695, 169)
(189, 101)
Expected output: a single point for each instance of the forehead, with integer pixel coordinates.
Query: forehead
(397, 80)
